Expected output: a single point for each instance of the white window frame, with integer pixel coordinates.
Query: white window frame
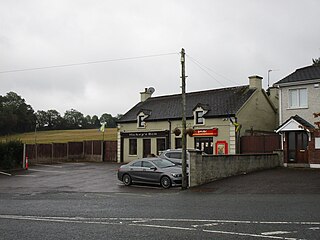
(140, 120)
(298, 95)
(196, 117)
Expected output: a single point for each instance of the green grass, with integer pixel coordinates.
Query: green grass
(61, 136)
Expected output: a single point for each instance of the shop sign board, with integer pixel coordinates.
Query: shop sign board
(205, 132)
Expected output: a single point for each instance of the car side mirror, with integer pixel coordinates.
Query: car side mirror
(153, 168)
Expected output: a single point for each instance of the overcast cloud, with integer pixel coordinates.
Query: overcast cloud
(231, 39)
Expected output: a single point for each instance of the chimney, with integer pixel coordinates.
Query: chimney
(255, 82)
(146, 94)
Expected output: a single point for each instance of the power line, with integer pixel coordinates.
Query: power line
(205, 68)
(86, 63)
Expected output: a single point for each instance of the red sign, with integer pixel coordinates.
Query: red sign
(206, 132)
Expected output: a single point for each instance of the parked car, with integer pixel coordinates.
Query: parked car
(152, 171)
(175, 155)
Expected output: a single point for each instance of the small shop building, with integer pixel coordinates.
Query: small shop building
(216, 119)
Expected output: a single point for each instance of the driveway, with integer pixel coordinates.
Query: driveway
(101, 177)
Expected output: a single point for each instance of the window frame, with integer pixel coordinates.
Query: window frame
(133, 146)
(297, 93)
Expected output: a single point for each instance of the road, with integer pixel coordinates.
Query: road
(85, 201)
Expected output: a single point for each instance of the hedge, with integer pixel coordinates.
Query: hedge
(11, 155)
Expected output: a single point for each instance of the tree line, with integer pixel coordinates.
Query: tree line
(16, 116)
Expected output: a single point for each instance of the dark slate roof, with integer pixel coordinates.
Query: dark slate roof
(218, 102)
(301, 74)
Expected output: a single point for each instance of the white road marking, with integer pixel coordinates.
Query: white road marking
(275, 233)
(4, 173)
(48, 171)
(314, 228)
(162, 226)
(249, 235)
(156, 223)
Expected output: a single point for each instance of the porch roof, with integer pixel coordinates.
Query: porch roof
(294, 123)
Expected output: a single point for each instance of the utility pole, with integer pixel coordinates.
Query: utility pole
(184, 148)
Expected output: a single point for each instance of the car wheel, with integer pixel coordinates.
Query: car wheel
(126, 179)
(165, 182)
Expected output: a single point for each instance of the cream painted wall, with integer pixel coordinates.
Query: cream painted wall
(257, 113)
(223, 126)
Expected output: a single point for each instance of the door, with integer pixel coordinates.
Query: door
(146, 147)
(302, 147)
(297, 147)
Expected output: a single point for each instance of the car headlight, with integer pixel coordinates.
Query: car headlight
(176, 175)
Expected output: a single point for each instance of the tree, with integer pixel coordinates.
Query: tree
(109, 120)
(54, 119)
(316, 62)
(73, 119)
(15, 114)
(95, 122)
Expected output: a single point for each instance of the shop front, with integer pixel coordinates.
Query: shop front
(136, 145)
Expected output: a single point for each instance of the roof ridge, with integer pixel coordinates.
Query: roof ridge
(198, 92)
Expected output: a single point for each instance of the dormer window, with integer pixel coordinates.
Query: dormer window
(199, 114)
(141, 122)
(141, 118)
(199, 117)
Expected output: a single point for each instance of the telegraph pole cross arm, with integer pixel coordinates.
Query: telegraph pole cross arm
(184, 184)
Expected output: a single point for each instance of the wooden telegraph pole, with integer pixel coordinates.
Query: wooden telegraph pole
(184, 148)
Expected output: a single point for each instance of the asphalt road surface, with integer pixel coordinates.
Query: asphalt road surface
(86, 201)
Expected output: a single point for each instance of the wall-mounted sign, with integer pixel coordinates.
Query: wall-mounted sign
(144, 134)
(221, 148)
(206, 132)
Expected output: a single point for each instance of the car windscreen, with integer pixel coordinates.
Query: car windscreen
(162, 163)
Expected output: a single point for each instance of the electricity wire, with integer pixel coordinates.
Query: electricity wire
(85, 63)
(205, 69)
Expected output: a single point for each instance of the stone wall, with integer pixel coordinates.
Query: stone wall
(207, 168)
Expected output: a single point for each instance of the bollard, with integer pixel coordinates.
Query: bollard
(27, 164)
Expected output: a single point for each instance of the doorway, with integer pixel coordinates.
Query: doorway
(297, 147)
(204, 144)
(146, 147)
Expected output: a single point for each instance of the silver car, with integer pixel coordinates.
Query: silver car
(152, 171)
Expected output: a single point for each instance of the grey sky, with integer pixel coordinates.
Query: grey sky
(231, 40)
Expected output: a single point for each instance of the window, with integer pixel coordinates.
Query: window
(298, 98)
(141, 123)
(161, 144)
(132, 146)
(199, 117)
(177, 155)
(136, 164)
(146, 164)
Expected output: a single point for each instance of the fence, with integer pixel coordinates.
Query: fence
(260, 144)
(96, 151)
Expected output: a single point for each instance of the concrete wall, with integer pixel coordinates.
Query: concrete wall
(205, 169)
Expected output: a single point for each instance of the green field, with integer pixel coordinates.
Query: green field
(61, 136)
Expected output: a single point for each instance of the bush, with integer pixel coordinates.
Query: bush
(11, 155)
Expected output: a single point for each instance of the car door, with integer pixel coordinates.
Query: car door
(150, 173)
(135, 171)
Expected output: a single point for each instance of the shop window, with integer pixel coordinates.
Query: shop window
(298, 98)
(178, 143)
(132, 146)
(161, 145)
